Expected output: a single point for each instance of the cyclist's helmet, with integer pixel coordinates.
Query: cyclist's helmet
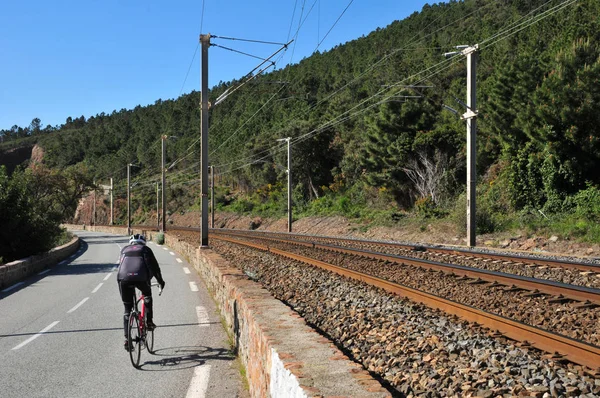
(137, 239)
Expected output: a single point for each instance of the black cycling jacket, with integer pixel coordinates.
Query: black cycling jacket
(137, 263)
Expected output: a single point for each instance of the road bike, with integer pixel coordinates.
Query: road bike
(138, 335)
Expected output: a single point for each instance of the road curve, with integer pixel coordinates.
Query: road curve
(61, 332)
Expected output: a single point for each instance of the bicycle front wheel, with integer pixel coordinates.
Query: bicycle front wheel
(134, 339)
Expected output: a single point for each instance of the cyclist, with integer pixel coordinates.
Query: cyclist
(137, 266)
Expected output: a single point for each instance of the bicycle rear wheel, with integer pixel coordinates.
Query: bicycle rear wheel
(134, 339)
(149, 340)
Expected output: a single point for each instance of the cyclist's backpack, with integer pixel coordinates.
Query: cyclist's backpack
(133, 265)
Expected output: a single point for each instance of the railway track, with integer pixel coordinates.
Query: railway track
(560, 346)
(588, 297)
(566, 271)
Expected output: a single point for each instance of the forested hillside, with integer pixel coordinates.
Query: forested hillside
(368, 123)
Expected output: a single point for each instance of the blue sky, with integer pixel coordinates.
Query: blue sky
(71, 58)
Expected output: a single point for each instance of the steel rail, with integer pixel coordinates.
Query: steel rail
(538, 261)
(561, 347)
(538, 286)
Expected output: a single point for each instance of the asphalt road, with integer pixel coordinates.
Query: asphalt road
(61, 332)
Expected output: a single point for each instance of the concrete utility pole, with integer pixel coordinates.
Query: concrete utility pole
(205, 41)
(212, 196)
(471, 117)
(289, 185)
(128, 199)
(162, 229)
(111, 202)
(157, 213)
(94, 207)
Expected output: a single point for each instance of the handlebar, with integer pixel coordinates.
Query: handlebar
(160, 290)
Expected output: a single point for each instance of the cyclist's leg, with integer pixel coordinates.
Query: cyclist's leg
(146, 290)
(127, 295)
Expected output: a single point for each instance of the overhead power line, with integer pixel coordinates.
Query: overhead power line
(250, 75)
(239, 52)
(335, 23)
(248, 40)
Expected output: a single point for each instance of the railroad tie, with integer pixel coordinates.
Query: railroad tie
(560, 299)
(535, 293)
(587, 305)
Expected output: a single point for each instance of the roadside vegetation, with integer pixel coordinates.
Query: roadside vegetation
(33, 203)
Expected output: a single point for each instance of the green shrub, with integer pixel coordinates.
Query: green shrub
(425, 207)
(587, 203)
(241, 206)
(160, 238)
(487, 220)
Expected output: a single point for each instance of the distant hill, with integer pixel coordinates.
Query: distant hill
(368, 118)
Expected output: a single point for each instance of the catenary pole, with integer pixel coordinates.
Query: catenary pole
(111, 202)
(212, 196)
(94, 207)
(164, 206)
(205, 41)
(471, 117)
(128, 199)
(157, 212)
(289, 189)
(289, 181)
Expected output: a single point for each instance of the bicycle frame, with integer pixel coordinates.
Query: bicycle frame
(137, 322)
(141, 313)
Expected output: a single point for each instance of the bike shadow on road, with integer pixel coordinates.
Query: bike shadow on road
(82, 268)
(185, 357)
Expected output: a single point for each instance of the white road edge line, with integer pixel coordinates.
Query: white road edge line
(199, 383)
(171, 253)
(165, 248)
(78, 305)
(35, 336)
(107, 276)
(186, 270)
(97, 287)
(193, 287)
(179, 260)
(8, 289)
(44, 272)
(203, 319)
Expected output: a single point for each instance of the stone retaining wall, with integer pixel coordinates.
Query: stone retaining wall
(283, 357)
(16, 271)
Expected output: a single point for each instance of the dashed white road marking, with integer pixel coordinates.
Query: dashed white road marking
(186, 270)
(203, 320)
(97, 288)
(107, 276)
(199, 383)
(78, 305)
(179, 260)
(171, 253)
(8, 289)
(165, 248)
(44, 272)
(35, 336)
(193, 287)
